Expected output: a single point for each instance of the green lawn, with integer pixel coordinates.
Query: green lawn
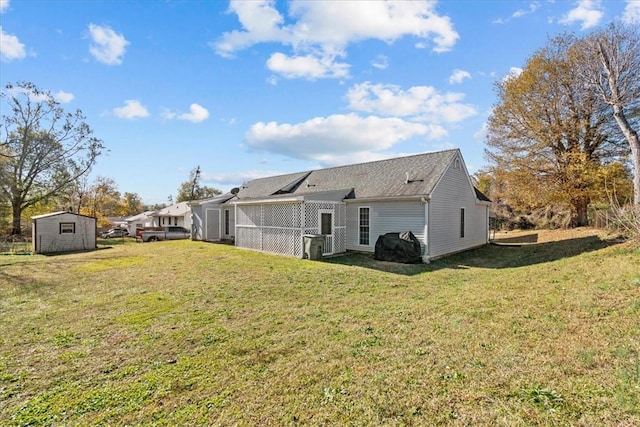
(190, 333)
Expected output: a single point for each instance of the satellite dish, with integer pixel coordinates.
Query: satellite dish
(235, 190)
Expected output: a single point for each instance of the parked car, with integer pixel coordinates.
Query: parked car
(167, 233)
(115, 232)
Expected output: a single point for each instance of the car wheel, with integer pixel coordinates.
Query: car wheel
(153, 238)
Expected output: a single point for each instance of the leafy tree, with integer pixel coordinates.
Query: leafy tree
(549, 136)
(132, 204)
(192, 190)
(42, 149)
(609, 62)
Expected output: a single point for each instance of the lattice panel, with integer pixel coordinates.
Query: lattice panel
(312, 209)
(249, 238)
(249, 215)
(282, 241)
(282, 215)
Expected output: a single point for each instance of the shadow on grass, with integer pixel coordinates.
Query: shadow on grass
(489, 256)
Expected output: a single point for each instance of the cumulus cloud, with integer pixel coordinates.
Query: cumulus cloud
(458, 76)
(323, 30)
(307, 66)
(132, 109)
(197, 113)
(587, 12)
(4, 6)
(631, 13)
(10, 47)
(423, 103)
(63, 97)
(108, 46)
(324, 139)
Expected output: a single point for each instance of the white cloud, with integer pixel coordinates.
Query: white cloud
(587, 12)
(325, 139)
(307, 66)
(458, 76)
(522, 12)
(197, 113)
(631, 13)
(323, 30)
(10, 47)
(422, 103)
(381, 62)
(132, 109)
(63, 97)
(4, 6)
(108, 46)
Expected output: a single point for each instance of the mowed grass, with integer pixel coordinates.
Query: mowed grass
(190, 333)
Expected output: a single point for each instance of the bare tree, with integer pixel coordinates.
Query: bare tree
(42, 149)
(611, 64)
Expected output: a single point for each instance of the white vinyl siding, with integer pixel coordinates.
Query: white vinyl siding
(452, 195)
(64, 232)
(384, 217)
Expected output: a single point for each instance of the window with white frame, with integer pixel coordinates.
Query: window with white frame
(364, 226)
(227, 222)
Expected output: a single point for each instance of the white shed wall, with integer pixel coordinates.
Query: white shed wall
(452, 193)
(385, 217)
(47, 237)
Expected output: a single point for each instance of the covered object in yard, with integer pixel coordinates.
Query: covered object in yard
(63, 232)
(398, 247)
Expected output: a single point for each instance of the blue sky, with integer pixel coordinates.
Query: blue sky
(258, 88)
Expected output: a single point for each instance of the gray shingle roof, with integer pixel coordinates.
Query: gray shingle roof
(379, 179)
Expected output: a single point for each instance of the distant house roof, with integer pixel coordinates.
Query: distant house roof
(179, 209)
(139, 216)
(408, 176)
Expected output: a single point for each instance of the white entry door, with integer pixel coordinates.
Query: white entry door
(213, 224)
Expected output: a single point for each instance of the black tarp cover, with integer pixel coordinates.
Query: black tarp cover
(398, 247)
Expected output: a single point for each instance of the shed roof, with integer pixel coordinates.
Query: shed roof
(415, 175)
(52, 214)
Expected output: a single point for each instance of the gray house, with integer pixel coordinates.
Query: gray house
(63, 232)
(428, 194)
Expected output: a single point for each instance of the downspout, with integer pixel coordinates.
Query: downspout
(426, 257)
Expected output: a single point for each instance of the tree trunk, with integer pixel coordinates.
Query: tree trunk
(579, 217)
(17, 213)
(634, 143)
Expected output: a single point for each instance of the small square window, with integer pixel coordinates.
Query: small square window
(67, 228)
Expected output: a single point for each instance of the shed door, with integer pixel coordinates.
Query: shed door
(212, 225)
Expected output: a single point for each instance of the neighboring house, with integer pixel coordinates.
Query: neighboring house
(141, 220)
(63, 232)
(213, 219)
(428, 194)
(178, 214)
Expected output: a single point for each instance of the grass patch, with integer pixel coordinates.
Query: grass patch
(183, 333)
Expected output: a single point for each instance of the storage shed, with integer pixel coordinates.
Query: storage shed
(63, 232)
